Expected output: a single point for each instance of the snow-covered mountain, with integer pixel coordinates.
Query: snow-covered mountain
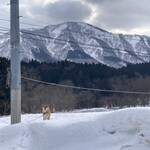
(79, 42)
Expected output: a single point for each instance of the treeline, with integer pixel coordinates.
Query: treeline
(4, 92)
(130, 78)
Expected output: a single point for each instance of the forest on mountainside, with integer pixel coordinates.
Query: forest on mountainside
(98, 76)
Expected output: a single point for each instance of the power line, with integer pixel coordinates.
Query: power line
(90, 45)
(110, 50)
(3, 78)
(4, 31)
(5, 28)
(30, 24)
(88, 89)
(4, 20)
(35, 20)
(21, 23)
(33, 38)
(125, 51)
(44, 40)
(107, 50)
(4, 11)
(76, 31)
(80, 33)
(100, 35)
(58, 39)
(62, 28)
(26, 17)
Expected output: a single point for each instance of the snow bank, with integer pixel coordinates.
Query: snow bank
(127, 129)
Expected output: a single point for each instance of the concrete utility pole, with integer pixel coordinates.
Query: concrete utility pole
(15, 63)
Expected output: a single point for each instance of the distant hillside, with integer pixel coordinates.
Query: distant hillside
(79, 42)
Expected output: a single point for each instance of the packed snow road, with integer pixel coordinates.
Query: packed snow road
(126, 129)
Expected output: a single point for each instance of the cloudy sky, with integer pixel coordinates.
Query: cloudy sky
(117, 16)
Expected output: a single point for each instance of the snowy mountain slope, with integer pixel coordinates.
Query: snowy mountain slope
(80, 42)
(126, 129)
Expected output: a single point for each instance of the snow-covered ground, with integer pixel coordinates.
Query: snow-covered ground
(126, 129)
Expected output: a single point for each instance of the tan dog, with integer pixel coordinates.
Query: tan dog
(46, 112)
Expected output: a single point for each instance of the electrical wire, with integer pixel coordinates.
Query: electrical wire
(125, 52)
(5, 28)
(26, 18)
(4, 11)
(90, 45)
(106, 50)
(4, 20)
(2, 32)
(31, 24)
(76, 31)
(3, 78)
(88, 89)
(100, 35)
(35, 20)
(22, 23)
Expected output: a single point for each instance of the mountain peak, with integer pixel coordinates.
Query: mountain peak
(79, 42)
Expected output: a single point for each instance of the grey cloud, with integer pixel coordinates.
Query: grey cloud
(66, 10)
(125, 14)
(100, 1)
(111, 14)
(59, 11)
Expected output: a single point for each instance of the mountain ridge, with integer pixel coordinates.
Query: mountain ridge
(81, 43)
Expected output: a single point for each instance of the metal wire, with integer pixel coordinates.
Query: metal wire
(88, 89)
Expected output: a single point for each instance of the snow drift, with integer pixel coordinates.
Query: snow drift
(115, 130)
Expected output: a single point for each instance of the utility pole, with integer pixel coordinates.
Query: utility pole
(15, 63)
